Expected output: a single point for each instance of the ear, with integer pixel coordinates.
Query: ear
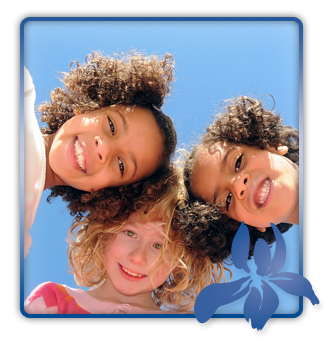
(282, 150)
(262, 230)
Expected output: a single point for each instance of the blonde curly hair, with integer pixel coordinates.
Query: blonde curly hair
(190, 271)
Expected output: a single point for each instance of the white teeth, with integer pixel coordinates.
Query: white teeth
(131, 273)
(78, 152)
(263, 193)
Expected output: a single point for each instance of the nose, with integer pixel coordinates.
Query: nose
(240, 185)
(138, 255)
(103, 149)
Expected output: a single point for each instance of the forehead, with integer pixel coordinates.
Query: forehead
(142, 137)
(129, 114)
(206, 169)
(214, 151)
(135, 113)
(211, 156)
(143, 219)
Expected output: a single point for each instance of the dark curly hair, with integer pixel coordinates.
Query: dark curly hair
(127, 79)
(242, 121)
(209, 233)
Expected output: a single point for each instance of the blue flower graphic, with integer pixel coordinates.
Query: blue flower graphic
(261, 302)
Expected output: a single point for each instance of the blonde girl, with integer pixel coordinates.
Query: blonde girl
(139, 267)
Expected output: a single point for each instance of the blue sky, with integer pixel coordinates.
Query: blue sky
(215, 60)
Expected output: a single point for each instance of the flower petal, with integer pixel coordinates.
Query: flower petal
(262, 257)
(240, 248)
(260, 309)
(215, 295)
(295, 284)
(279, 256)
(252, 304)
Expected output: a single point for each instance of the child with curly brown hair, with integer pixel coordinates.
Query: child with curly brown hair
(244, 169)
(107, 140)
(140, 267)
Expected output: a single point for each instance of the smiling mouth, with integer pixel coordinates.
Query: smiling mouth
(263, 193)
(78, 152)
(136, 275)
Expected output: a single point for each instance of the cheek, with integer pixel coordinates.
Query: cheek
(57, 157)
(256, 219)
(115, 250)
(149, 162)
(152, 147)
(241, 214)
(153, 154)
(162, 274)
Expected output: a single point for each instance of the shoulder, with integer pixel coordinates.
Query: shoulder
(47, 289)
(52, 298)
(28, 83)
(43, 299)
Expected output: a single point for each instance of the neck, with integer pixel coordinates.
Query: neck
(51, 178)
(108, 293)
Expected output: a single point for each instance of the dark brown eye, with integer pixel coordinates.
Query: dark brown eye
(238, 163)
(228, 200)
(121, 166)
(112, 127)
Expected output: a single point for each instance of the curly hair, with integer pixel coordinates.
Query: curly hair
(209, 233)
(129, 79)
(244, 121)
(126, 78)
(190, 273)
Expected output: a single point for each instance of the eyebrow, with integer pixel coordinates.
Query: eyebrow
(224, 161)
(133, 158)
(222, 167)
(125, 124)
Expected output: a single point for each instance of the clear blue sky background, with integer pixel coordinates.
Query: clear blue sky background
(215, 60)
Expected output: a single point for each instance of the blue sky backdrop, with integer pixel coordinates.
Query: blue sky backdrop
(215, 60)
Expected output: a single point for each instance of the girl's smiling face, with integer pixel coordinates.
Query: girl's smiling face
(132, 257)
(256, 186)
(108, 147)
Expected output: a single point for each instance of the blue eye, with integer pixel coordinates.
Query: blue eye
(112, 127)
(238, 163)
(121, 166)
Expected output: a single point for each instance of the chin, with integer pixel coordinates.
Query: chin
(78, 187)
